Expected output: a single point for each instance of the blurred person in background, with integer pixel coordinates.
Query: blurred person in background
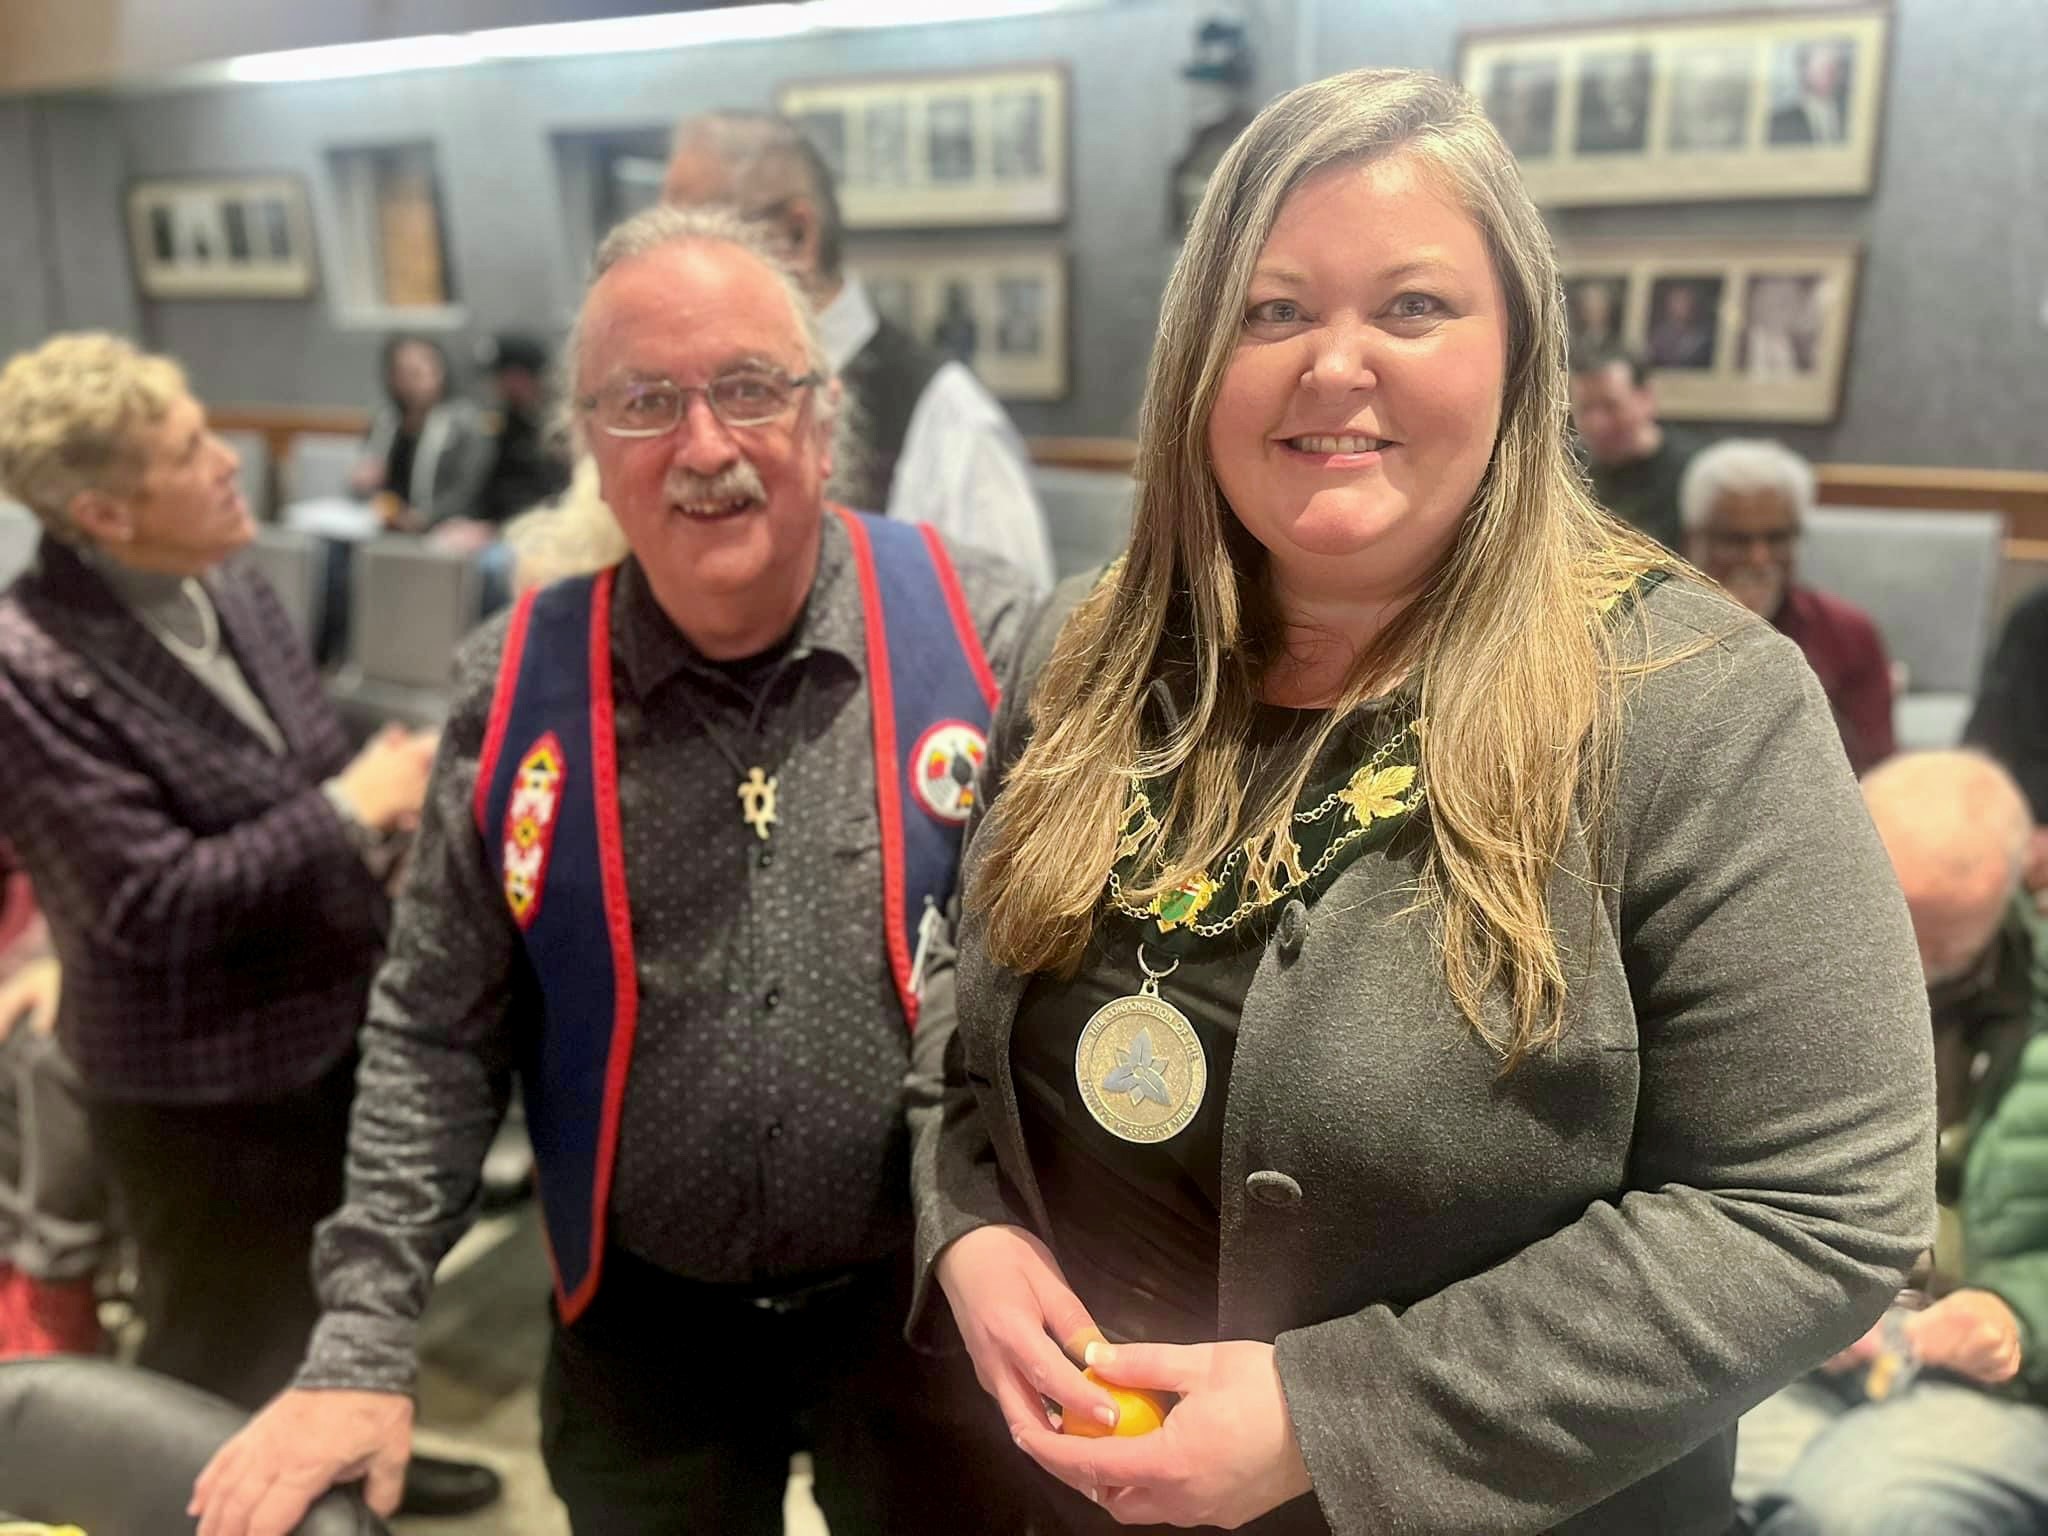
(932, 445)
(2010, 719)
(427, 455)
(1297, 1066)
(674, 879)
(526, 468)
(209, 857)
(1743, 502)
(1936, 1421)
(1635, 460)
(54, 1234)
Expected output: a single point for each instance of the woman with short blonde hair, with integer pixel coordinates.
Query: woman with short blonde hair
(1426, 1000)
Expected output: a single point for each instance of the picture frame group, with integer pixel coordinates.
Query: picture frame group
(242, 237)
(1782, 104)
(941, 151)
(1732, 331)
(999, 308)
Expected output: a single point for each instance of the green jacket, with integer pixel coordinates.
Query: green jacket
(2004, 1201)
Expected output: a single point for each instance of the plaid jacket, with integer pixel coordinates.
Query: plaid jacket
(217, 929)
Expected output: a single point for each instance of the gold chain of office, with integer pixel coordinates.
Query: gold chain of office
(1380, 794)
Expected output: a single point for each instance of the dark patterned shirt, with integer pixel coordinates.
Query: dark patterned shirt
(762, 1135)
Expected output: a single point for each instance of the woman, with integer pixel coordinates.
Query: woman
(427, 450)
(1424, 974)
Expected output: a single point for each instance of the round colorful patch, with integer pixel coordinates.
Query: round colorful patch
(945, 770)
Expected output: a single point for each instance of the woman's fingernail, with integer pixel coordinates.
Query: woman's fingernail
(1098, 1354)
(1106, 1414)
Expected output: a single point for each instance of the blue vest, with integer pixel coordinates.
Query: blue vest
(547, 808)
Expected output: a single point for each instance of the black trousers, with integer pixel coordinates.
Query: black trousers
(671, 1407)
(222, 1201)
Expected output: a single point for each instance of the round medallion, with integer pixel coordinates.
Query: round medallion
(945, 768)
(1141, 1069)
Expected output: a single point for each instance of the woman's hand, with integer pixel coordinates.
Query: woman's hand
(1226, 1455)
(367, 478)
(1011, 1302)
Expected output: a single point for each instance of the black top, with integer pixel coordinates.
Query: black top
(2011, 718)
(887, 377)
(1137, 1226)
(524, 473)
(1644, 492)
(405, 446)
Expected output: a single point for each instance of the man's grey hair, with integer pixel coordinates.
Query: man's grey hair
(661, 226)
(1743, 465)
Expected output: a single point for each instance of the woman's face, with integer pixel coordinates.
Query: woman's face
(1359, 413)
(417, 377)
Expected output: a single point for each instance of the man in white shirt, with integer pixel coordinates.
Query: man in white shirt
(936, 447)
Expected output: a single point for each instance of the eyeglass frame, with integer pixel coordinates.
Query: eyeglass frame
(790, 381)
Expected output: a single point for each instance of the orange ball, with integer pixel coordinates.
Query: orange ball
(1137, 1412)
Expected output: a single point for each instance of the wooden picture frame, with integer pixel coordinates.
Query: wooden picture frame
(239, 237)
(986, 147)
(1733, 330)
(1774, 104)
(1000, 308)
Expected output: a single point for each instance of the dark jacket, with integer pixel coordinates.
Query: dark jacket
(2005, 1174)
(216, 926)
(1538, 1301)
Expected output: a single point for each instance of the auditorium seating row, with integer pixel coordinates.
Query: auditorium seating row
(1929, 578)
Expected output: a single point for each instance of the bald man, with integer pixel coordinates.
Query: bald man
(933, 444)
(1956, 1440)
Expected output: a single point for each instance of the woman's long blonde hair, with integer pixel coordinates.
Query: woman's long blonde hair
(1518, 678)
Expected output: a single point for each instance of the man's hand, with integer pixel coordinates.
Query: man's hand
(1973, 1333)
(29, 997)
(262, 1482)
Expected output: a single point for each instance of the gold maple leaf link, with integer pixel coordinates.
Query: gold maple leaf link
(1374, 793)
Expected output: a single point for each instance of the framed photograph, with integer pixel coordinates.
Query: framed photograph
(1000, 309)
(1778, 104)
(245, 237)
(941, 151)
(1734, 331)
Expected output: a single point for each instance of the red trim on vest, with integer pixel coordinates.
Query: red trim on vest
(501, 706)
(963, 621)
(604, 770)
(888, 789)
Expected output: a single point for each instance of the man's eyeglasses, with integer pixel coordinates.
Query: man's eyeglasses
(746, 397)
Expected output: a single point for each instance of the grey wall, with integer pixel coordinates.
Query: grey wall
(492, 127)
(1949, 362)
(1949, 356)
(63, 261)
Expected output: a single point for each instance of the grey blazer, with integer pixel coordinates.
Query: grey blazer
(1539, 1301)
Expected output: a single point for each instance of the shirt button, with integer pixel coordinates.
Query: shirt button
(775, 1130)
(767, 857)
(774, 998)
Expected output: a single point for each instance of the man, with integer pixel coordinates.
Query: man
(934, 446)
(182, 795)
(1743, 502)
(1636, 462)
(1951, 1432)
(1817, 115)
(685, 821)
(525, 471)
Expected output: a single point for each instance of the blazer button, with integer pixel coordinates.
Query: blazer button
(1269, 1186)
(1293, 928)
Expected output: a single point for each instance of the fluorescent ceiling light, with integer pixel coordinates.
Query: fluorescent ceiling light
(621, 34)
(344, 60)
(639, 34)
(849, 15)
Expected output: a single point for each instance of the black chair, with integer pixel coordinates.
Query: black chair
(114, 1450)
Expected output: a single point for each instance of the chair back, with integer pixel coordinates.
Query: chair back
(115, 1451)
(19, 534)
(291, 562)
(1087, 513)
